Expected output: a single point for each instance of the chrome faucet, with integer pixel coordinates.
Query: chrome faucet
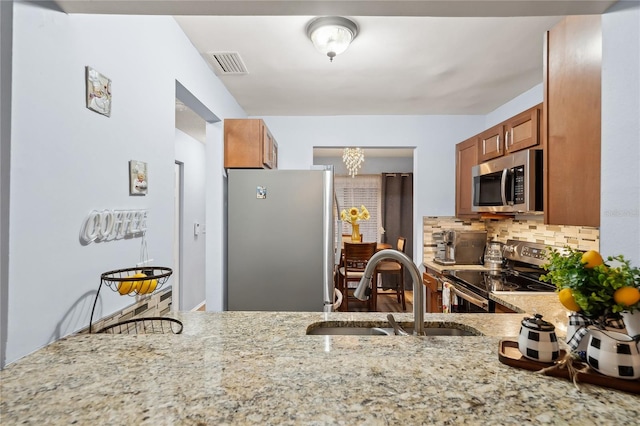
(418, 292)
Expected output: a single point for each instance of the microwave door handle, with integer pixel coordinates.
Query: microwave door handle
(474, 301)
(503, 187)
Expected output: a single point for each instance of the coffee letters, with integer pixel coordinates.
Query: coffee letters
(108, 225)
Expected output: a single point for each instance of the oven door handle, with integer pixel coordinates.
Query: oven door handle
(481, 303)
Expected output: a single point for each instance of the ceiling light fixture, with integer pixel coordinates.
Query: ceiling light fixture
(332, 35)
(353, 159)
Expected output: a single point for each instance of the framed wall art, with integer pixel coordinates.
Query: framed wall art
(98, 92)
(138, 180)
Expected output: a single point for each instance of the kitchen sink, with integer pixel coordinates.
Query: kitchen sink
(350, 331)
(383, 329)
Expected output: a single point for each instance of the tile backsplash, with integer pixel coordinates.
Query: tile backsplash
(579, 237)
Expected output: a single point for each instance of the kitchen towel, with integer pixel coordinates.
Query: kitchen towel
(449, 298)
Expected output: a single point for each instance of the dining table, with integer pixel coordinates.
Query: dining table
(379, 246)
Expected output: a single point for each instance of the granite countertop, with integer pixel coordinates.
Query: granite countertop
(546, 304)
(262, 368)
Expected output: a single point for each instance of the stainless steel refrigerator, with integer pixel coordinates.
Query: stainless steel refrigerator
(280, 240)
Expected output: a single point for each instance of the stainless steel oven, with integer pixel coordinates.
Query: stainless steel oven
(464, 300)
(471, 290)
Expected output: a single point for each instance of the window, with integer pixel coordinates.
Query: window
(357, 191)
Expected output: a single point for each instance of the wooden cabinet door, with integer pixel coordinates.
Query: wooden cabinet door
(275, 154)
(572, 111)
(490, 143)
(434, 295)
(267, 147)
(249, 144)
(501, 309)
(523, 130)
(466, 158)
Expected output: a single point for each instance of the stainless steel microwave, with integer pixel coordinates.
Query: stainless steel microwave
(509, 184)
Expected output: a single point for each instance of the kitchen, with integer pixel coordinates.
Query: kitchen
(22, 333)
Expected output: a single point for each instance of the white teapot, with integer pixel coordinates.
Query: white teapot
(613, 354)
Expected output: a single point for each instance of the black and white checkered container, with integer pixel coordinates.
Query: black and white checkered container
(613, 354)
(538, 340)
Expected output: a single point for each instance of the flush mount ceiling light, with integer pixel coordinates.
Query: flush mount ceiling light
(353, 159)
(332, 35)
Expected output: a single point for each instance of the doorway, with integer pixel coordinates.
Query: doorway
(190, 224)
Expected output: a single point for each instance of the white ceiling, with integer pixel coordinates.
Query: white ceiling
(410, 57)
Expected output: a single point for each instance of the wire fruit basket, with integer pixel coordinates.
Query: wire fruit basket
(149, 325)
(132, 282)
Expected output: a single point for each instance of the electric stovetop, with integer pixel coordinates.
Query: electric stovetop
(522, 272)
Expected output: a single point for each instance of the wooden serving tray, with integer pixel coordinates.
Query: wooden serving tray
(510, 354)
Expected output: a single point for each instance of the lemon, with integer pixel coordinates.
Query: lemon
(591, 259)
(627, 296)
(148, 286)
(135, 285)
(566, 298)
(125, 287)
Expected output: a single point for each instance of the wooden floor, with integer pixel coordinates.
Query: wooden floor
(389, 303)
(386, 303)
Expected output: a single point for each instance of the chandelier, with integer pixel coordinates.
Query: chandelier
(353, 159)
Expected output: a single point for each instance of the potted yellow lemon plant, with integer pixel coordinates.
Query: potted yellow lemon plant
(593, 288)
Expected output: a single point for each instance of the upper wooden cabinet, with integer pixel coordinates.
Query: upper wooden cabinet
(466, 158)
(523, 130)
(248, 143)
(490, 143)
(572, 80)
(517, 133)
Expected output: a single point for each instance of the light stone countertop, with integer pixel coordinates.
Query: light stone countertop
(236, 368)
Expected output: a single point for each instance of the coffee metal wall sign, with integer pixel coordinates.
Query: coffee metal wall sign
(108, 225)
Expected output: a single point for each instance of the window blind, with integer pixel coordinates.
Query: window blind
(355, 192)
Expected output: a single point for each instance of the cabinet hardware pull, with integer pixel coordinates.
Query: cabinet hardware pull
(506, 141)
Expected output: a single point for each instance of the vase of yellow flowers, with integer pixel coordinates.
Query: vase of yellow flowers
(353, 216)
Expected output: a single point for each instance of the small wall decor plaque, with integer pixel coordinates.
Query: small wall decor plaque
(98, 92)
(138, 178)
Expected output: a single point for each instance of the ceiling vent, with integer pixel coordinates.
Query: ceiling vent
(227, 63)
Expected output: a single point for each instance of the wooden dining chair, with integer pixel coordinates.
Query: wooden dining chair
(355, 259)
(392, 267)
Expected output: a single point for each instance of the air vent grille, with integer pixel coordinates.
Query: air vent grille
(227, 62)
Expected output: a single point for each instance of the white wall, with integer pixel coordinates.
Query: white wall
(191, 153)
(620, 205)
(523, 102)
(371, 165)
(67, 160)
(433, 137)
